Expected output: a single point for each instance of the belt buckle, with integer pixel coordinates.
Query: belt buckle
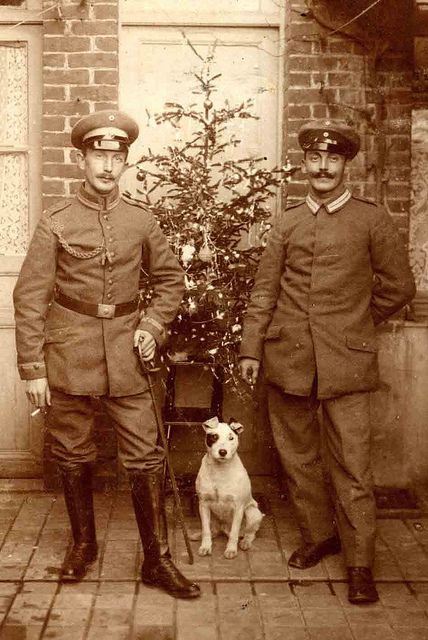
(106, 311)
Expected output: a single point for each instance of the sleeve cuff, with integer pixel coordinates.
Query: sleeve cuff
(154, 327)
(32, 370)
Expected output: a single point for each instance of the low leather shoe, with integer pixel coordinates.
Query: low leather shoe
(308, 555)
(166, 576)
(362, 589)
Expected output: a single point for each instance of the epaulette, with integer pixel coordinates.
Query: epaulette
(293, 205)
(133, 202)
(365, 200)
(55, 208)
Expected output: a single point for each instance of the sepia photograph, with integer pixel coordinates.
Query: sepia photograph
(214, 319)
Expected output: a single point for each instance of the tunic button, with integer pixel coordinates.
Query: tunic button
(113, 254)
(364, 344)
(109, 295)
(108, 226)
(36, 366)
(110, 268)
(110, 281)
(105, 217)
(110, 239)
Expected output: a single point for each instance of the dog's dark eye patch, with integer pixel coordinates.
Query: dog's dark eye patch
(211, 438)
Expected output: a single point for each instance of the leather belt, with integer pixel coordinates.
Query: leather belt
(106, 311)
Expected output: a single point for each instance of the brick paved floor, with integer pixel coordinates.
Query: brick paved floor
(252, 597)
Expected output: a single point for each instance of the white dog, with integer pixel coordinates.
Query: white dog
(224, 490)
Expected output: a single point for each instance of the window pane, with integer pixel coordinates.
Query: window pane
(13, 93)
(13, 203)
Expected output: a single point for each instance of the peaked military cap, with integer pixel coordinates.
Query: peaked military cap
(109, 129)
(329, 135)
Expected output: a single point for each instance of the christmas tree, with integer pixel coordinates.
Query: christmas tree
(215, 211)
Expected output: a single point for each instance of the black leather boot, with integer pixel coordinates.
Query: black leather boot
(77, 484)
(158, 570)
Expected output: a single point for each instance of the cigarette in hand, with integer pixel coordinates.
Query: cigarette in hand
(38, 410)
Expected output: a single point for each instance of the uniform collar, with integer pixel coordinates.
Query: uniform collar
(331, 206)
(98, 202)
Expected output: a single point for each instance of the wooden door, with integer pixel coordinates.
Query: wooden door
(157, 65)
(20, 124)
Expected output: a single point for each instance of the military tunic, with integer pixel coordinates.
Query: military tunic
(330, 273)
(92, 249)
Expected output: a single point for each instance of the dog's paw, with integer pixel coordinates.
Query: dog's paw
(230, 552)
(205, 550)
(245, 544)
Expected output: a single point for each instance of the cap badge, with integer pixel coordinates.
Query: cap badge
(325, 134)
(111, 117)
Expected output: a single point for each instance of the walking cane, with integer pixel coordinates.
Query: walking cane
(148, 370)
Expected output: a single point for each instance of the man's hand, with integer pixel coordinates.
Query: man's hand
(147, 344)
(249, 368)
(38, 392)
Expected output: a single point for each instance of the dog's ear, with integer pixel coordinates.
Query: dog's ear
(210, 424)
(237, 427)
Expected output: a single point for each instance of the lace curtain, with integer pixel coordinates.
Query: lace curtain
(13, 135)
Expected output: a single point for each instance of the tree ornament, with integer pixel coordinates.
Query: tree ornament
(205, 253)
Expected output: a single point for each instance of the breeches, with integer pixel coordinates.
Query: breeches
(70, 421)
(346, 439)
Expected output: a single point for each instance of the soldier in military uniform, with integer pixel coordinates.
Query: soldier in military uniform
(334, 267)
(78, 319)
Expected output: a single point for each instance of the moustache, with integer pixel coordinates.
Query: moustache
(322, 174)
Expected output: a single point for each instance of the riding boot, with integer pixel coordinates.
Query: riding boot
(77, 483)
(157, 570)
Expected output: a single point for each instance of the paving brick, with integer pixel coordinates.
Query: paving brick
(240, 632)
(320, 617)
(60, 632)
(194, 632)
(330, 633)
(399, 618)
(285, 633)
(18, 632)
(373, 632)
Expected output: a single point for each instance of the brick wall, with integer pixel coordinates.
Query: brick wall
(332, 76)
(80, 75)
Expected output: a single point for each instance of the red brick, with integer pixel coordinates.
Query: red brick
(53, 123)
(306, 29)
(300, 46)
(97, 93)
(56, 139)
(61, 170)
(66, 76)
(305, 63)
(56, 60)
(300, 79)
(69, 43)
(105, 11)
(53, 187)
(106, 43)
(296, 96)
(320, 111)
(94, 27)
(94, 60)
(53, 93)
(106, 77)
(54, 27)
(53, 155)
(342, 79)
(106, 105)
(65, 108)
(302, 111)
